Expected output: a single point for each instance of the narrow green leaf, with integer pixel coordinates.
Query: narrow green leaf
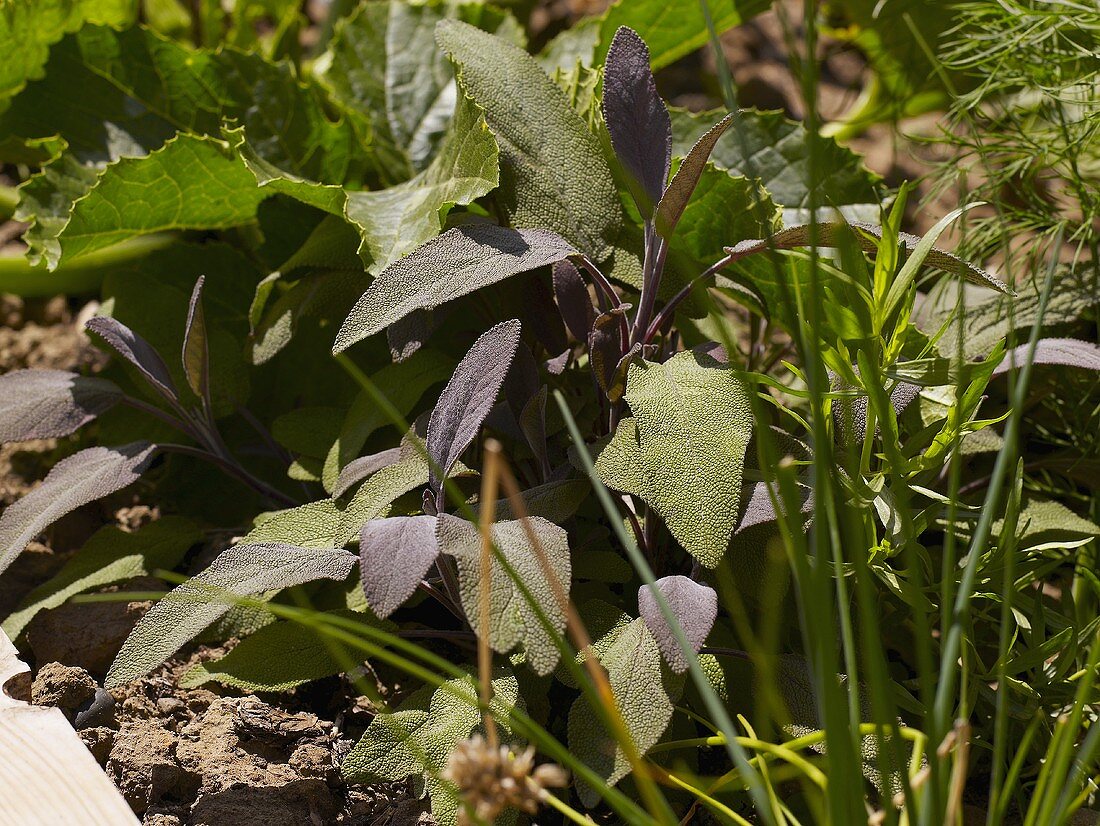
(111, 555)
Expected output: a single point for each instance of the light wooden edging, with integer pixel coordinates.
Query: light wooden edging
(47, 775)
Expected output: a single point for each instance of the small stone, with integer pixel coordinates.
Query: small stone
(63, 686)
(170, 705)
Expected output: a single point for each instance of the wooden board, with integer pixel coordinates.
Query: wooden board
(47, 775)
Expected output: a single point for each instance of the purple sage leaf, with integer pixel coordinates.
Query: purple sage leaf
(683, 183)
(636, 118)
(196, 351)
(137, 351)
(1066, 352)
(574, 302)
(47, 404)
(468, 398)
(695, 607)
(606, 345)
(81, 478)
(522, 382)
(394, 555)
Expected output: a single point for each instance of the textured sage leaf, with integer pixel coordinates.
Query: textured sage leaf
(555, 501)
(359, 469)
(986, 319)
(683, 183)
(238, 572)
(46, 404)
(632, 658)
(574, 302)
(394, 555)
(831, 234)
(304, 655)
(552, 172)
(196, 353)
(458, 262)
(694, 421)
(769, 147)
(383, 62)
(77, 480)
(513, 621)
(136, 350)
(415, 740)
(695, 607)
(111, 555)
(395, 221)
(1066, 352)
(312, 525)
(636, 119)
(468, 397)
(1047, 525)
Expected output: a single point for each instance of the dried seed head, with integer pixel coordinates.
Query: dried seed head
(491, 780)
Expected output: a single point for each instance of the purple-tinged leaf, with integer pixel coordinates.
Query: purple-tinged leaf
(47, 404)
(834, 233)
(394, 555)
(81, 478)
(606, 345)
(695, 607)
(408, 335)
(457, 263)
(541, 317)
(241, 571)
(683, 183)
(359, 469)
(1066, 352)
(137, 351)
(196, 351)
(522, 382)
(556, 366)
(850, 415)
(574, 302)
(468, 398)
(532, 421)
(636, 118)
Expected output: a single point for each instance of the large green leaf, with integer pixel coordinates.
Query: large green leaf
(116, 95)
(768, 146)
(415, 740)
(29, 27)
(552, 170)
(513, 621)
(110, 555)
(642, 687)
(693, 421)
(191, 182)
(397, 220)
(383, 61)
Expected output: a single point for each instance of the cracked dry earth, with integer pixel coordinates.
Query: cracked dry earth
(193, 756)
(178, 756)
